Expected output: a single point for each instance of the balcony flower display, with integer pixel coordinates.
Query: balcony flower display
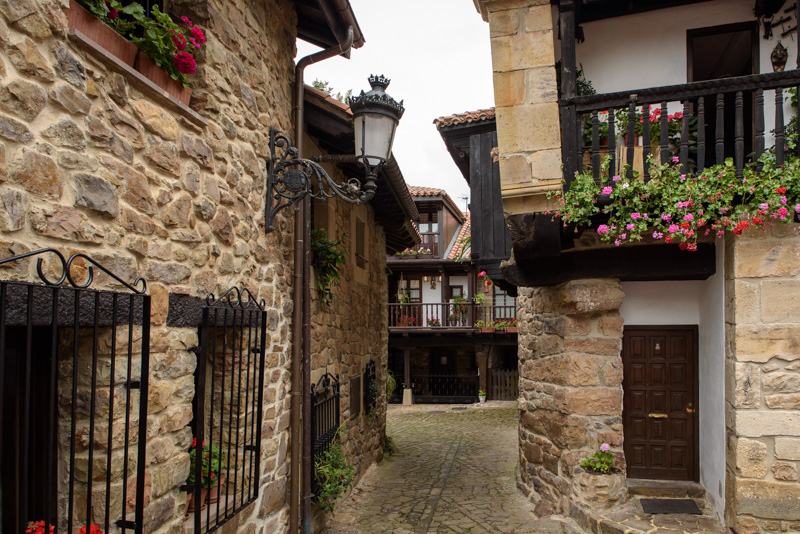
(434, 322)
(406, 320)
(680, 208)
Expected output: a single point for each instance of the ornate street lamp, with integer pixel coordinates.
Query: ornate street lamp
(290, 179)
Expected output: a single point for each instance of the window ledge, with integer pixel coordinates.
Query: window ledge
(136, 78)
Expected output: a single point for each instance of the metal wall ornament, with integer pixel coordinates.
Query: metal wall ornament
(291, 178)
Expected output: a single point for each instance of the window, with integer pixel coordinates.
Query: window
(413, 287)
(429, 223)
(504, 304)
(456, 291)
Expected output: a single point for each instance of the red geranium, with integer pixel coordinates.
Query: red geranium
(37, 527)
(93, 529)
(185, 62)
(179, 40)
(112, 12)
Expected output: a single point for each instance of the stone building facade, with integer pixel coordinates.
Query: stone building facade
(572, 330)
(96, 159)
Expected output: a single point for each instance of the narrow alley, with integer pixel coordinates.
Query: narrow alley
(453, 471)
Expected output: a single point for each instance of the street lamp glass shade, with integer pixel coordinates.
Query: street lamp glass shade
(374, 137)
(375, 115)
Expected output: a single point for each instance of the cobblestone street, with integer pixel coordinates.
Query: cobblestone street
(454, 471)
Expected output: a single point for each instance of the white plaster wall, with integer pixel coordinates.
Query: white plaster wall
(649, 49)
(712, 390)
(431, 296)
(690, 303)
(661, 303)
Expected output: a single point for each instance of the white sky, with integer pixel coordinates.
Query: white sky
(437, 54)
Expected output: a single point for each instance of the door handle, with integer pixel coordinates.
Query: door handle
(690, 408)
(658, 415)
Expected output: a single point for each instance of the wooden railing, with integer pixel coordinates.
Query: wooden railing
(447, 314)
(700, 123)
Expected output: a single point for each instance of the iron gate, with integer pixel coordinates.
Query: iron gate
(324, 417)
(73, 361)
(229, 386)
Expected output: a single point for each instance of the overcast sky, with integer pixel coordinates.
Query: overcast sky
(437, 54)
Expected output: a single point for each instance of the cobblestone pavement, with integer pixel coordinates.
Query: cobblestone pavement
(454, 471)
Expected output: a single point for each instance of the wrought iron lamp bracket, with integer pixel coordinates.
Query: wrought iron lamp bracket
(290, 179)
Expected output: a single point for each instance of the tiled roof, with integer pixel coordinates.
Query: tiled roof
(463, 118)
(460, 244)
(417, 191)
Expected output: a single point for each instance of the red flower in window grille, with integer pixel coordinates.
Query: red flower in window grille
(93, 529)
(37, 527)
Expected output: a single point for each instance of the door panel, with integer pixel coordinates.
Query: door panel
(660, 391)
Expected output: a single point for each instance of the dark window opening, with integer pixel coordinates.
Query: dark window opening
(14, 426)
(723, 52)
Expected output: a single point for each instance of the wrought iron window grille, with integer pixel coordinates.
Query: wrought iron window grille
(66, 321)
(230, 361)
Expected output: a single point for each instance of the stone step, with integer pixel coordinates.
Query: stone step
(677, 489)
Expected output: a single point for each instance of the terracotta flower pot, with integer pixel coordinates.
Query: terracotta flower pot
(190, 507)
(486, 330)
(159, 76)
(101, 33)
(511, 329)
(213, 493)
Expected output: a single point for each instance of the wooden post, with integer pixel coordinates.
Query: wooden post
(569, 88)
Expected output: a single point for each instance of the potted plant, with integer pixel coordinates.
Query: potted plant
(210, 467)
(332, 475)
(329, 256)
(499, 325)
(216, 462)
(165, 49)
(93, 529)
(434, 322)
(598, 482)
(484, 327)
(406, 320)
(482, 396)
(512, 325)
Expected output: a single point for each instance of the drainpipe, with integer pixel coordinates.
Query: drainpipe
(301, 313)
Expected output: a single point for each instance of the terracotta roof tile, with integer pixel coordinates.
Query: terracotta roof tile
(463, 118)
(460, 244)
(418, 191)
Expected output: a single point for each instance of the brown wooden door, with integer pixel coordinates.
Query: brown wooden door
(660, 402)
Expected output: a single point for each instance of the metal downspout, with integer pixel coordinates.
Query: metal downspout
(301, 313)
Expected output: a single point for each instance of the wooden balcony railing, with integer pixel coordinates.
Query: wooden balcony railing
(700, 123)
(448, 314)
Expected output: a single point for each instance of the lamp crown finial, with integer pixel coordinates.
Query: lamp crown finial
(379, 81)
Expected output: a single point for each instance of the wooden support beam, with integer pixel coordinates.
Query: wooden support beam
(629, 263)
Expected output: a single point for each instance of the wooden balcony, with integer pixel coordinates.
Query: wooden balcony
(448, 316)
(700, 123)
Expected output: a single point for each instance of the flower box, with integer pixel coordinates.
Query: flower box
(148, 68)
(511, 329)
(486, 329)
(100, 32)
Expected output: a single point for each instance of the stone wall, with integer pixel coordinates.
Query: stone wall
(352, 330)
(526, 100)
(570, 386)
(762, 287)
(90, 161)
